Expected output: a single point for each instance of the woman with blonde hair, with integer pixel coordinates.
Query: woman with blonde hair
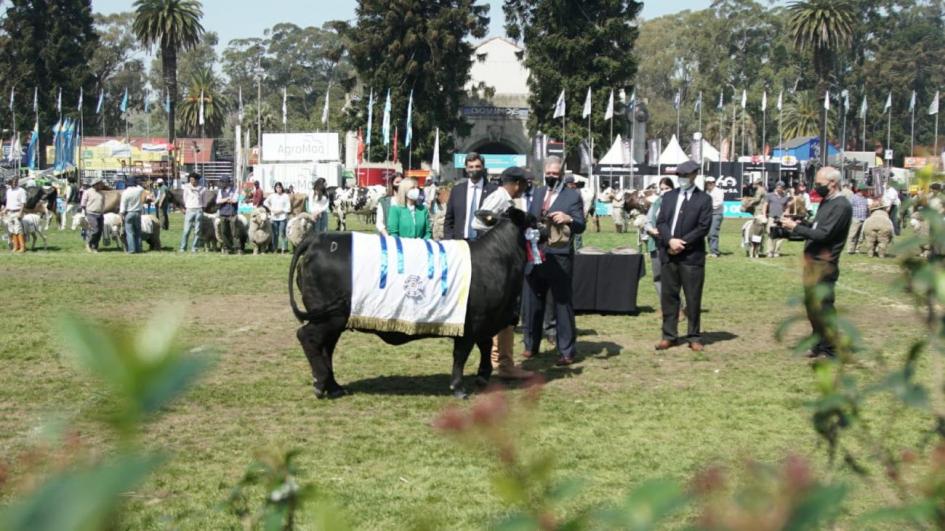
(409, 218)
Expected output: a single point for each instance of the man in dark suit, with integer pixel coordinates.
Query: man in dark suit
(465, 200)
(683, 224)
(564, 208)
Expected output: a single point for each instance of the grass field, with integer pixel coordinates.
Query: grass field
(622, 414)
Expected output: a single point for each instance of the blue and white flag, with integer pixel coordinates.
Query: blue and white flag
(370, 118)
(200, 111)
(124, 102)
(385, 125)
(81, 97)
(33, 151)
(408, 136)
(101, 102)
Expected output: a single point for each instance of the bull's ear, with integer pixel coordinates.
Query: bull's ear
(486, 217)
(518, 217)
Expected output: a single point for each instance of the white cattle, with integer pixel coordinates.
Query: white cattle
(33, 229)
(113, 228)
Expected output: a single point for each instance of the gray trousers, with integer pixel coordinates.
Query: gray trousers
(714, 233)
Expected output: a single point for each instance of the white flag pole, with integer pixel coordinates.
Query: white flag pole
(912, 133)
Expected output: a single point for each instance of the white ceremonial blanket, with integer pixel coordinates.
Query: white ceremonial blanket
(412, 286)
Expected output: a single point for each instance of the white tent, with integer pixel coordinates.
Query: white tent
(709, 153)
(673, 154)
(617, 155)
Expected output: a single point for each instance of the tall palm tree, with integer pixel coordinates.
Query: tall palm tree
(215, 105)
(803, 116)
(172, 26)
(822, 28)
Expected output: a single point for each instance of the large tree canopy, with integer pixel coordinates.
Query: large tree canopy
(573, 46)
(419, 46)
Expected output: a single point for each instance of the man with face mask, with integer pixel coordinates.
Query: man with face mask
(465, 199)
(826, 238)
(683, 223)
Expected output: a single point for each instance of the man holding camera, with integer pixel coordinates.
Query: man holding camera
(775, 205)
(826, 238)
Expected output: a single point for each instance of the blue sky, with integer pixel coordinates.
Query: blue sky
(234, 19)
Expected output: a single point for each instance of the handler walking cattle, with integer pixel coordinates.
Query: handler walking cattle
(403, 290)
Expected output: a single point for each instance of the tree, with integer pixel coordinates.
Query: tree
(573, 46)
(822, 28)
(116, 65)
(216, 104)
(47, 45)
(803, 116)
(172, 26)
(419, 46)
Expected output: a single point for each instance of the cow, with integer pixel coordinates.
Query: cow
(260, 230)
(363, 201)
(321, 270)
(753, 233)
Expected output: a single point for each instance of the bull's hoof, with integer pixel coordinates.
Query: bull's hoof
(331, 394)
(460, 394)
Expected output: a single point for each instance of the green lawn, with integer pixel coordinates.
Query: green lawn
(622, 414)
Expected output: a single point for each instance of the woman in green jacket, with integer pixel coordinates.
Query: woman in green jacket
(409, 218)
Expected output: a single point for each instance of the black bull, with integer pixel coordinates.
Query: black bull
(323, 265)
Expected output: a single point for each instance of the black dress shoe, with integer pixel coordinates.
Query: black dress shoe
(564, 361)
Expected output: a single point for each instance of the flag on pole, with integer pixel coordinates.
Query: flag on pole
(325, 110)
(167, 103)
(677, 99)
(863, 107)
(846, 101)
(59, 101)
(744, 98)
(385, 123)
(200, 115)
(435, 165)
(587, 104)
(560, 106)
(721, 100)
(781, 100)
(285, 108)
(12, 93)
(147, 101)
(764, 100)
(609, 113)
(36, 99)
(124, 101)
(698, 107)
(827, 101)
(241, 114)
(933, 109)
(81, 97)
(633, 99)
(395, 144)
(101, 102)
(912, 102)
(888, 106)
(370, 117)
(408, 136)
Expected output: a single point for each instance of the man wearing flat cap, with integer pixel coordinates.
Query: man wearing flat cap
(512, 185)
(683, 224)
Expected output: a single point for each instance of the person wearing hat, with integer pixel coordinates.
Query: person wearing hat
(228, 202)
(130, 209)
(878, 229)
(718, 213)
(93, 206)
(161, 203)
(13, 208)
(563, 209)
(512, 185)
(774, 207)
(683, 223)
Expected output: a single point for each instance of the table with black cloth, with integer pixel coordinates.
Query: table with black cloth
(607, 283)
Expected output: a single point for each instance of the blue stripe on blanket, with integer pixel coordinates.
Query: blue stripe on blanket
(400, 255)
(443, 265)
(383, 261)
(430, 262)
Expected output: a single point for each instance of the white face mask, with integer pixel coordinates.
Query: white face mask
(685, 182)
(413, 194)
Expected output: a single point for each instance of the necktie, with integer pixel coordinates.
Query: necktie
(547, 204)
(473, 205)
(681, 214)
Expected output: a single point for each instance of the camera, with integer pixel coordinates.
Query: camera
(778, 232)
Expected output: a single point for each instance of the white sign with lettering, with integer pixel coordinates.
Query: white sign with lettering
(300, 147)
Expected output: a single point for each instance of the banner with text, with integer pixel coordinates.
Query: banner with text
(300, 147)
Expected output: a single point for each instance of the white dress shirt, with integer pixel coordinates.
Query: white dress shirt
(683, 195)
(473, 193)
(498, 203)
(131, 200)
(718, 200)
(192, 197)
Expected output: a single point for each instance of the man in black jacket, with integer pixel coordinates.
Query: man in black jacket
(465, 200)
(825, 240)
(564, 208)
(683, 223)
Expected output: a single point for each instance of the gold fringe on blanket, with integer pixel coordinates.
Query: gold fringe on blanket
(405, 327)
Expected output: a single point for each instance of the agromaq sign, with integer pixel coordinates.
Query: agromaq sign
(300, 147)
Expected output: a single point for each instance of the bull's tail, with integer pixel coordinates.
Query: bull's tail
(302, 316)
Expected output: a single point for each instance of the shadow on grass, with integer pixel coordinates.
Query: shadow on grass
(710, 338)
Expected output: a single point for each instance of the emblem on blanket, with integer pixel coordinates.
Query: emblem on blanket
(415, 288)
(411, 286)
